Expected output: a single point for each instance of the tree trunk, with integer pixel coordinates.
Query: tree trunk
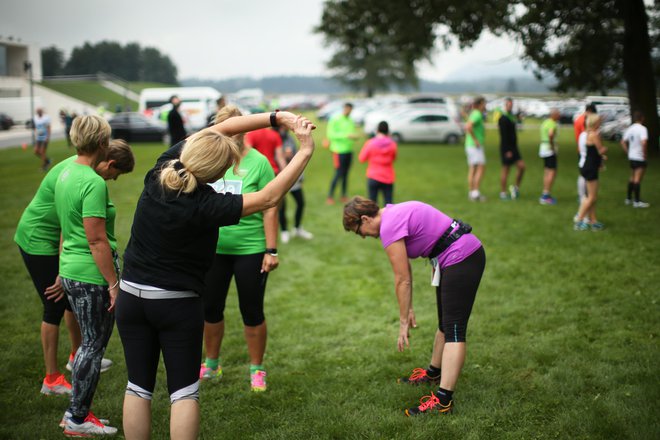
(638, 68)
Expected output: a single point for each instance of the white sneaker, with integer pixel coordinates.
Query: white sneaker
(641, 204)
(628, 202)
(91, 426)
(305, 235)
(105, 365)
(67, 416)
(285, 237)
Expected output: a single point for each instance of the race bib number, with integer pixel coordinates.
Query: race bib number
(223, 186)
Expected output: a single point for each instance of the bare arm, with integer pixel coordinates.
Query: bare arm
(270, 262)
(644, 145)
(551, 137)
(624, 145)
(469, 129)
(277, 188)
(398, 256)
(243, 124)
(102, 253)
(602, 149)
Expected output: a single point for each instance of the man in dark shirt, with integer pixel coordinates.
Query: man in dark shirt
(175, 122)
(509, 152)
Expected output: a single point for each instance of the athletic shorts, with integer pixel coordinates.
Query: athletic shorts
(589, 173)
(515, 157)
(475, 156)
(634, 164)
(550, 162)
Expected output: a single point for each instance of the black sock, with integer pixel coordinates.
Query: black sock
(444, 396)
(78, 420)
(630, 190)
(637, 189)
(432, 371)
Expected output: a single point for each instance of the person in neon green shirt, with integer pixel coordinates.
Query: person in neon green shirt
(247, 252)
(38, 238)
(548, 152)
(342, 136)
(88, 270)
(475, 135)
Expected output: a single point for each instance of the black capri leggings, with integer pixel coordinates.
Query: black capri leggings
(456, 293)
(250, 283)
(342, 165)
(43, 270)
(300, 207)
(149, 326)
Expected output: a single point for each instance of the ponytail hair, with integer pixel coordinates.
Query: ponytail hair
(205, 158)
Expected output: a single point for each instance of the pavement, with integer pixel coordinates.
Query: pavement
(17, 136)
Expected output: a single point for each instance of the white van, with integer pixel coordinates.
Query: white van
(599, 100)
(197, 103)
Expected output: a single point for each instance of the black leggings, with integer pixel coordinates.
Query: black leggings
(456, 293)
(90, 303)
(300, 207)
(342, 165)
(250, 283)
(374, 186)
(149, 326)
(43, 270)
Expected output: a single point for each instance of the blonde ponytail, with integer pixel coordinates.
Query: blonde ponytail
(205, 158)
(179, 180)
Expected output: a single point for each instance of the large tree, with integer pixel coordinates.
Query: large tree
(130, 62)
(370, 55)
(588, 45)
(52, 61)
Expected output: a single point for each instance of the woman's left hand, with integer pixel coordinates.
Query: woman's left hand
(55, 292)
(404, 333)
(269, 263)
(113, 296)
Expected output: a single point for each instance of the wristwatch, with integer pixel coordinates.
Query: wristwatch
(272, 252)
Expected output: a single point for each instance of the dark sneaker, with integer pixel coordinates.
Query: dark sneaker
(419, 376)
(430, 405)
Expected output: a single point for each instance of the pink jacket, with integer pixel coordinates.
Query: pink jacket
(380, 151)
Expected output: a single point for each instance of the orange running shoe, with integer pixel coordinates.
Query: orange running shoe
(58, 387)
(419, 376)
(430, 404)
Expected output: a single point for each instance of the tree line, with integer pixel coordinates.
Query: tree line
(587, 45)
(130, 62)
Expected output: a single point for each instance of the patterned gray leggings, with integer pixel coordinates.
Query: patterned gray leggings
(89, 303)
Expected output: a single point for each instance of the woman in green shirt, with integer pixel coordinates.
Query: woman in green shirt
(88, 270)
(248, 252)
(38, 239)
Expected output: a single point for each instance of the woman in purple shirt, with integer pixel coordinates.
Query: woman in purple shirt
(415, 229)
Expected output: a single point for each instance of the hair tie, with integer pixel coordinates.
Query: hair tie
(178, 165)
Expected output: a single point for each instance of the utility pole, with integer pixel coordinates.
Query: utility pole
(27, 67)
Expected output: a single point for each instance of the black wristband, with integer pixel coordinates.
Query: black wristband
(271, 251)
(273, 119)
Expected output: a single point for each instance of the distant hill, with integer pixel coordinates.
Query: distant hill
(320, 84)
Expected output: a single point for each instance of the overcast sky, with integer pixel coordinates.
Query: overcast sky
(218, 39)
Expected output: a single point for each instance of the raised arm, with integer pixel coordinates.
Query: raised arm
(277, 188)
(243, 124)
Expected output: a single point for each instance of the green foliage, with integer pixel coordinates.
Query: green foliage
(130, 62)
(52, 61)
(91, 92)
(563, 338)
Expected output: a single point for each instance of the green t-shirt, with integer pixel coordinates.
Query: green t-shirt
(477, 120)
(38, 230)
(339, 128)
(247, 237)
(546, 126)
(81, 193)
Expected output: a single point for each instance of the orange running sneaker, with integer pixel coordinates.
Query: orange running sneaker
(430, 404)
(419, 376)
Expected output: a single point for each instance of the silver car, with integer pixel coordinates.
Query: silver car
(425, 126)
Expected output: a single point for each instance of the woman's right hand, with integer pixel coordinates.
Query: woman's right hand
(303, 130)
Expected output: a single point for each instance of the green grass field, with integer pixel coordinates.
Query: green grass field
(563, 340)
(91, 92)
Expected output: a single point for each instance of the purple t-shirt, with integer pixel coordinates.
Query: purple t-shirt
(421, 225)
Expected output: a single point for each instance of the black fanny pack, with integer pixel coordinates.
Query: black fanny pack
(455, 231)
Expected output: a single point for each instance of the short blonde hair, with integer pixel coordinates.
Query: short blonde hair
(121, 153)
(90, 134)
(593, 120)
(205, 158)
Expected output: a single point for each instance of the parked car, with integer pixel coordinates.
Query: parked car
(425, 126)
(6, 122)
(135, 127)
(613, 130)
